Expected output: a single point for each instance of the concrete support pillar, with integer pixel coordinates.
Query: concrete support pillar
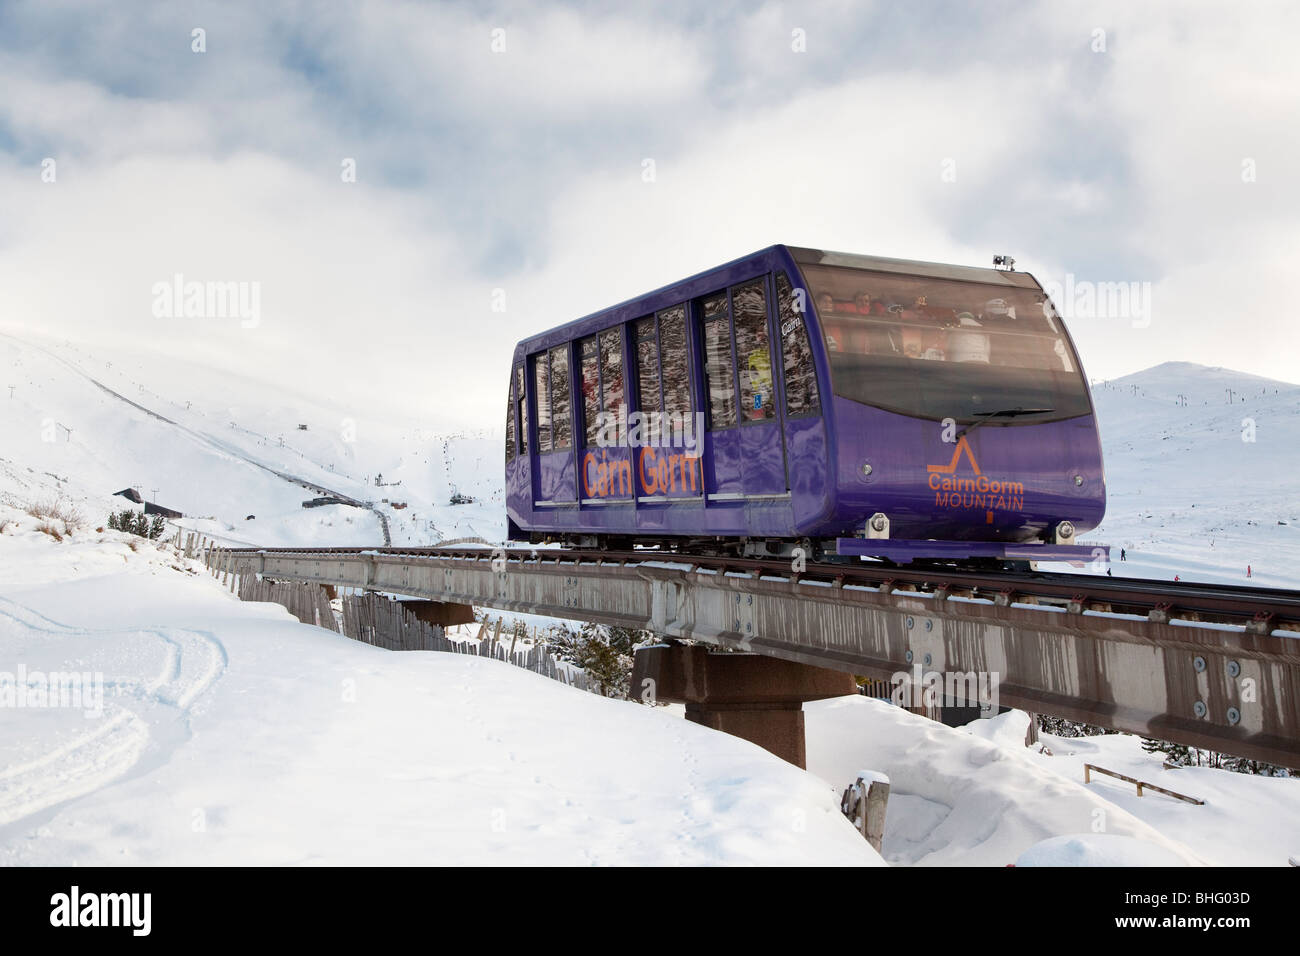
(747, 695)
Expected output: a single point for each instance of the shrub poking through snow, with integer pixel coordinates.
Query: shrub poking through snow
(1061, 727)
(138, 523)
(1181, 755)
(604, 652)
(57, 510)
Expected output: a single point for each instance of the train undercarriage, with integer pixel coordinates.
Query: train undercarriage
(805, 551)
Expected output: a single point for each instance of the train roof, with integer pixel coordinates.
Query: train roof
(912, 267)
(728, 273)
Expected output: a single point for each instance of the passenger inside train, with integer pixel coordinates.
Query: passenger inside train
(948, 322)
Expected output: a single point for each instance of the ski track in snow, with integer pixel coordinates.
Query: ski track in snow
(74, 769)
(121, 735)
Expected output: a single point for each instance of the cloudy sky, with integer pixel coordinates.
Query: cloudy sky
(574, 156)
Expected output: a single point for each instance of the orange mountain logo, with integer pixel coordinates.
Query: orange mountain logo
(979, 493)
(951, 467)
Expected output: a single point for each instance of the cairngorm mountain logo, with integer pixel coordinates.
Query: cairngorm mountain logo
(977, 493)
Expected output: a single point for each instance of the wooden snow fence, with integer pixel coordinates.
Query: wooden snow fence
(307, 602)
(531, 657)
(383, 621)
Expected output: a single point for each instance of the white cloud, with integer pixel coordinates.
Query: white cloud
(227, 168)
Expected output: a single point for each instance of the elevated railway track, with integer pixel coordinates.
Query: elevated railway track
(1207, 665)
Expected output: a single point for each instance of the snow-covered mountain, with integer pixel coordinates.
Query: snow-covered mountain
(1201, 474)
(85, 425)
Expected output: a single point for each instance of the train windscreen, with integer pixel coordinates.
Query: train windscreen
(944, 348)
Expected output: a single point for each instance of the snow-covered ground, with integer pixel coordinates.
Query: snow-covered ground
(1246, 820)
(976, 796)
(1201, 475)
(230, 733)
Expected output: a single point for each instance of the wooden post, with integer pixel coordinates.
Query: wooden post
(865, 802)
(1031, 735)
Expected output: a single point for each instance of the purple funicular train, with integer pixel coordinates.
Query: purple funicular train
(850, 405)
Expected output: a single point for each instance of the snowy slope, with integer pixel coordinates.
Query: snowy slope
(1247, 820)
(220, 448)
(230, 733)
(958, 800)
(977, 796)
(1186, 494)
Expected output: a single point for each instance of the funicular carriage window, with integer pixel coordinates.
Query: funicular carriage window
(589, 361)
(939, 347)
(719, 373)
(753, 352)
(521, 402)
(562, 421)
(673, 363)
(801, 397)
(611, 369)
(510, 419)
(647, 366)
(542, 390)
